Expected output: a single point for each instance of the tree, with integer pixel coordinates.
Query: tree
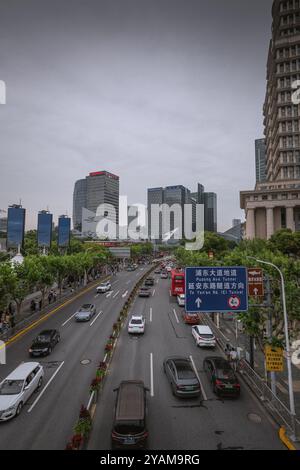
(286, 241)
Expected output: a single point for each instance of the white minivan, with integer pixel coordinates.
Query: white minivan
(203, 336)
(17, 388)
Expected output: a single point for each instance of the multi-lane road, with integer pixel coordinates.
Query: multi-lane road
(48, 418)
(177, 424)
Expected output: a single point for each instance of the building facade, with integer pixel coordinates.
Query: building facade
(275, 203)
(181, 196)
(260, 160)
(96, 197)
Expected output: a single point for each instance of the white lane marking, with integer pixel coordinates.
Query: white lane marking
(151, 376)
(109, 294)
(67, 321)
(116, 294)
(151, 314)
(128, 282)
(91, 324)
(196, 372)
(170, 293)
(125, 293)
(157, 281)
(45, 388)
(153, 293)
(95, 297)
(175, 313)
(115, 282)
(137, 274)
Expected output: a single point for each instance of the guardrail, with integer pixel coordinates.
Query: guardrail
(258, 385)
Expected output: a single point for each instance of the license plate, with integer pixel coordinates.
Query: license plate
(129, 440)
(228, 386)
(189, 388)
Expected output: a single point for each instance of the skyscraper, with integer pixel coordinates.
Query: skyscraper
(181, 196)
(275, 203)
(260, 160)
(15, 226)
(95, 197)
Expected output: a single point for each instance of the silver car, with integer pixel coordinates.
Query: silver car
(85, 313)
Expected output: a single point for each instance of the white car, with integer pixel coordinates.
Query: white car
(136, 325)
(18, 387)
(181, 300)
(203, 336)
(104, 287)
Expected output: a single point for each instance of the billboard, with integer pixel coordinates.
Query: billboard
(64, 231)
(15, 227)
(44, 234)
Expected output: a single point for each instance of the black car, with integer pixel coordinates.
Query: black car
(222, 377)
(182, 377)
(144, 292)
(149, 281)
(44, 343)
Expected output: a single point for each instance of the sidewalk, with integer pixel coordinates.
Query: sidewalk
(27, 315)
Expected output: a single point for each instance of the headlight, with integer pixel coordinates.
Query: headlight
(11, 408)
(30, 350)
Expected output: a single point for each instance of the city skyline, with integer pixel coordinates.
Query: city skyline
(131, 87)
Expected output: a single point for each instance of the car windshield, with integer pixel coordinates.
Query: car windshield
(11, 387)
(184, 371)
(226, 373)
(136, 321)
(42, 339)
(129, 427)
(85, 308)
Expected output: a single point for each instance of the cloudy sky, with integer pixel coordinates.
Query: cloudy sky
(159, 92)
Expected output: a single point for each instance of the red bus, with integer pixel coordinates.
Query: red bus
(177, 282)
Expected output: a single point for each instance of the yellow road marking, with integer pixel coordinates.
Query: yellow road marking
(45, 317)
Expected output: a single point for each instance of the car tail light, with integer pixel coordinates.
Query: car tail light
(219, 383)
(237, 385)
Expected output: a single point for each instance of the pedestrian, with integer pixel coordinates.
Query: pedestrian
(32, 305)
(227, 351)
(54, 296)
(233, 358)
(40, 304)
(50, 297)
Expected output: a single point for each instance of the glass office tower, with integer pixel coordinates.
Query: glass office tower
(15, 226)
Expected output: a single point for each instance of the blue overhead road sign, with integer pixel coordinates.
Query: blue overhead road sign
(216, 289)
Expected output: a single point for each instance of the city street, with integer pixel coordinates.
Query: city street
(48, 418)
(213, 423)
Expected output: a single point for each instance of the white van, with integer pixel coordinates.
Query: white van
(203, 336)
(17, 388)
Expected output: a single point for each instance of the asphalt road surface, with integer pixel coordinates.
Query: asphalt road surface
(48, 418)
(177, 424)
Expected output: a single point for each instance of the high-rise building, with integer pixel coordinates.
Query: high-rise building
(275, 203)
(94, 198)
(260, 160)
(15, 226)
(210, 212)
(181, 196)
(44, 231)
(64, 231)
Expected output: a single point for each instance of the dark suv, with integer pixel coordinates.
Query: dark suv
(129, 427)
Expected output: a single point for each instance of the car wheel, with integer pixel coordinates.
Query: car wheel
(19, 408)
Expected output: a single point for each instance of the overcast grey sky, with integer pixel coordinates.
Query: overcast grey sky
(159, 92)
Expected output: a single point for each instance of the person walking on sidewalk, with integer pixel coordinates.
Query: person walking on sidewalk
(233, 358)
(227, 351)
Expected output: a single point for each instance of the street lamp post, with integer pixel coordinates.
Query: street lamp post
(287, 341)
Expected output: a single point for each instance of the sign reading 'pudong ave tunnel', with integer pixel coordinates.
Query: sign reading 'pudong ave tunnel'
(216, 289)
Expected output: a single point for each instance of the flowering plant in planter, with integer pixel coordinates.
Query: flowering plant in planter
(77, 440)
(95, 384)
